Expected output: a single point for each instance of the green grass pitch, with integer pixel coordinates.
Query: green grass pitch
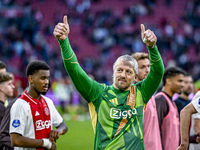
(80, 136)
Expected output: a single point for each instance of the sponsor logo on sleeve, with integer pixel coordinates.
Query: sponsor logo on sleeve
(16, 123)
(199, 101)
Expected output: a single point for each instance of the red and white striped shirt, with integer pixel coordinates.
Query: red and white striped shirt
(33, 118)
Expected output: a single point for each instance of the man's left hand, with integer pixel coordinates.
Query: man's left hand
(54, 135)
(148, 36)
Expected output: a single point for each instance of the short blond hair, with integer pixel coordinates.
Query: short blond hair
(140, 55)
(6, 76)
(127, 58)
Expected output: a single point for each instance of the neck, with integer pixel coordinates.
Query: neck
(33, 93)
(167, 91)
(184, 96)
(2, 97)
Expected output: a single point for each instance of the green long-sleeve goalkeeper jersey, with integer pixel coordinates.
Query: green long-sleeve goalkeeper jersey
(117, 116)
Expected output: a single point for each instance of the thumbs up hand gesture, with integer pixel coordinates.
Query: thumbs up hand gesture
(61, 30)
(148, 36)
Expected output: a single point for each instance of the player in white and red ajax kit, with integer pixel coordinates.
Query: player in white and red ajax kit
(33, 115)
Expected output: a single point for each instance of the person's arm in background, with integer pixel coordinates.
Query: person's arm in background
(87, 87)
(185, 117)
(157, 67)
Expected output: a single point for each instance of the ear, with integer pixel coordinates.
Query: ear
(168, 81)
(134, 78)
(30, 78)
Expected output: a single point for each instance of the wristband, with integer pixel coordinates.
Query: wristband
(47, 143)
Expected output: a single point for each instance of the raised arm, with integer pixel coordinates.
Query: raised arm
(87, 87)
(153, 80)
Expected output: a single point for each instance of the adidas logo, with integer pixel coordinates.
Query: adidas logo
(37, 113)
(114, 101)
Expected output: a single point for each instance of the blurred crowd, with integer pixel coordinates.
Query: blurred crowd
(24, 35)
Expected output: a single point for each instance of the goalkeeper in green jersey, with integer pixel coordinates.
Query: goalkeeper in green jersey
(116, 110)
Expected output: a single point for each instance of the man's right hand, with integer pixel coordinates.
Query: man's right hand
(61, 30)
